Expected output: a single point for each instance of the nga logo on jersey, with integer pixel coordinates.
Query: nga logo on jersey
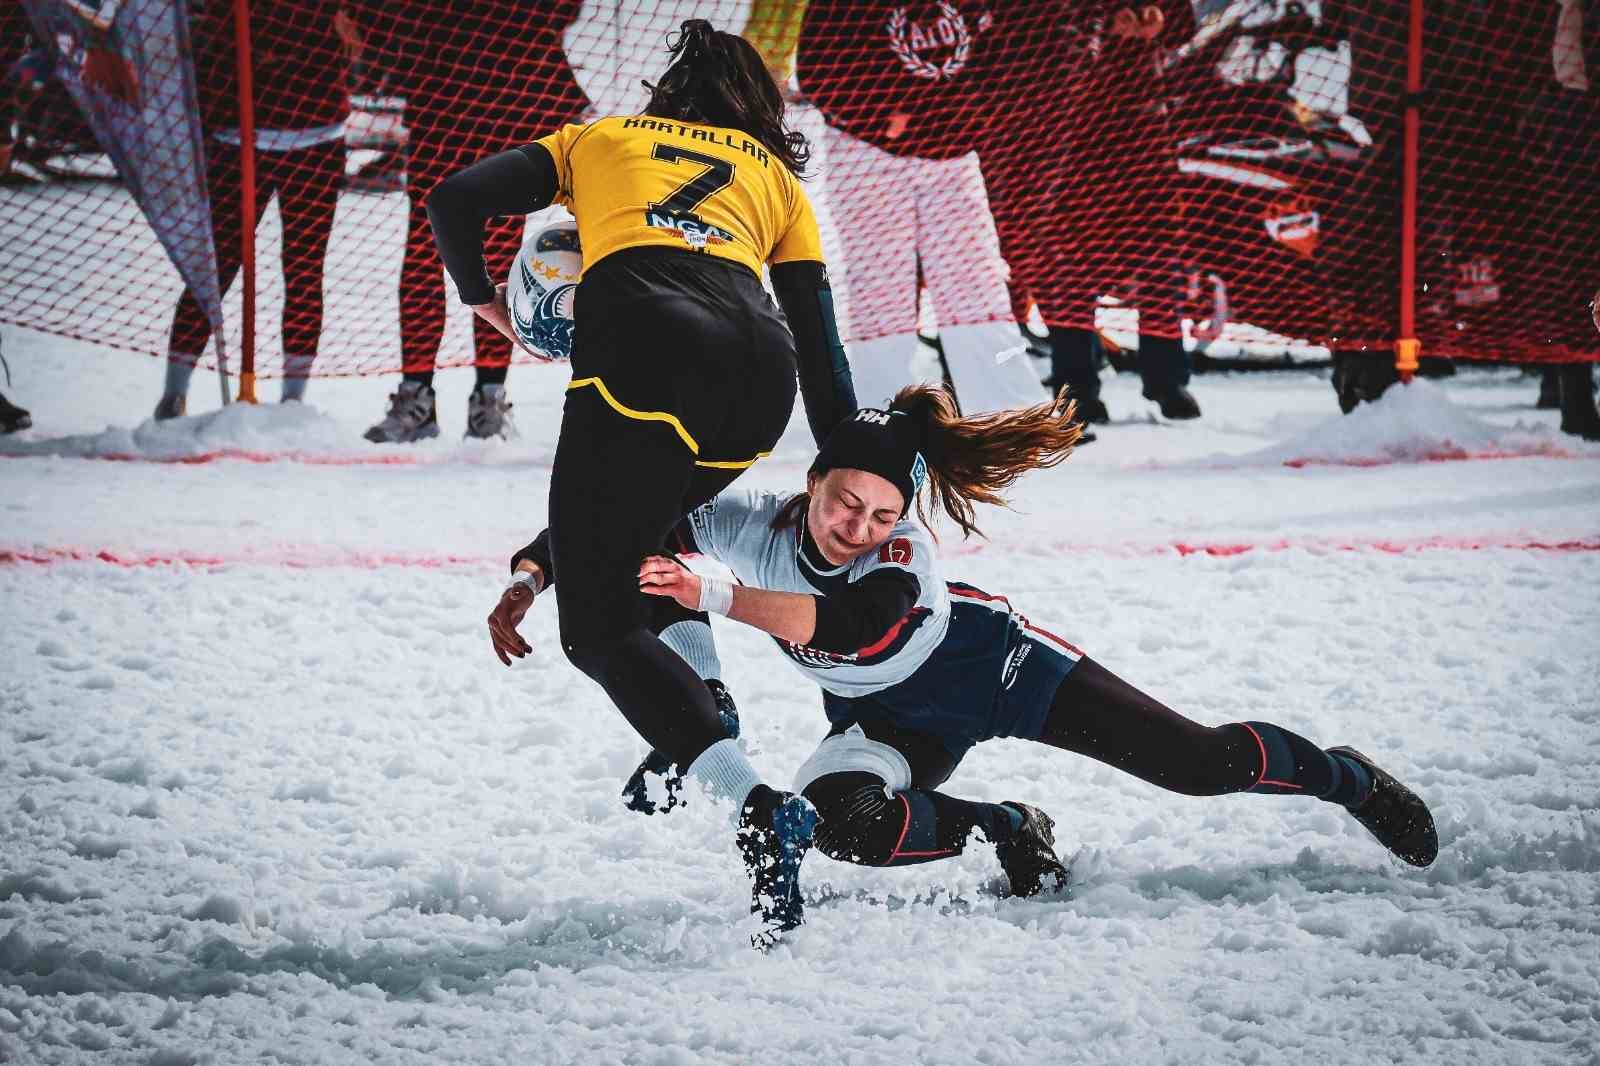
(696, 232)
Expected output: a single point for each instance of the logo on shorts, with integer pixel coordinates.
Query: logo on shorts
(1008, 676)
(897, 551)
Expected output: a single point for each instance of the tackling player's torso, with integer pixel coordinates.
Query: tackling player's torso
(639, 182)
(736, 530)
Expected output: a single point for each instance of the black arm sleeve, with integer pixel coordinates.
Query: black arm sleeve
(864, 611)
(517, 182)
(825, 386)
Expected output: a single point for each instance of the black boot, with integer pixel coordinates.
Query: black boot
(1075, 366)
(1164, 367)
(1361, 376)
(1578, 413)
(12, 417)
(1549, 390)
(1395, 815)
(1029, 855)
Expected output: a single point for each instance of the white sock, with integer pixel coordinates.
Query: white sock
(724, 769)
(691, 639)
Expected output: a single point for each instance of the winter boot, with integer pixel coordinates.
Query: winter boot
(489, 413)
(411, 416)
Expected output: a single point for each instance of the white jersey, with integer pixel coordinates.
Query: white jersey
(735, 528)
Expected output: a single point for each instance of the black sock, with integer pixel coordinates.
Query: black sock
(1296, 766)
(491, 375)
(421, 377)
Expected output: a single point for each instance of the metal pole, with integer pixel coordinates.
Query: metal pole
(247, 199)
(1407, 346)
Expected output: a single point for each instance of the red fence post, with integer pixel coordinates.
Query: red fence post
(247, 199)
(1406, 345)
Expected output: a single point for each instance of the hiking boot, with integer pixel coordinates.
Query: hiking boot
(657, 766)
(12, 417)
(775, 832)
(489, 413)
(172, 405)
(1395, 815)
(1176, 403)
(1028, 856)
(411, 416)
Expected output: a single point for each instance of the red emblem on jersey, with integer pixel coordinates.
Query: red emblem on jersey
(897, 551)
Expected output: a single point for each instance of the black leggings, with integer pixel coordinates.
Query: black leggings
(682, 373)
(1094, 713)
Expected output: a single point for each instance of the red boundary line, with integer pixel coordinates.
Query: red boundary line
(333, 558)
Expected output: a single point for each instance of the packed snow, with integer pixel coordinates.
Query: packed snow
(267, 796)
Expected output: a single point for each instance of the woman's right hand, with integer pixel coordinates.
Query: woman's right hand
(504, 620)
(498, 314)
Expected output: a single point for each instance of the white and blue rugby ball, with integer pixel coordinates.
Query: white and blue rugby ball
(540, 291)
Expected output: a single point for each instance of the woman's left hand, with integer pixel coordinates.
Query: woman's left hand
(660, 576)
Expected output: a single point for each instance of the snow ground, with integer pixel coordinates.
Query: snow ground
(265, 795)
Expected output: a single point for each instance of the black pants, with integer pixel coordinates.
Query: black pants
(1093, 713)
(682, 374)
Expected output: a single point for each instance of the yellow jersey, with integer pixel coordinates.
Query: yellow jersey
(637, 181)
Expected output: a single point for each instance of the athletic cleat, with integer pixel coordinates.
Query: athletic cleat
(656, 766)
(775, 832)
(13, 418)
(1395, 815)
(172, 405)
(1029, 855)
(489, 413)
(411, 416)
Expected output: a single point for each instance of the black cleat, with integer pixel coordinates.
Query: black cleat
(1395, 815)
(636, 793)
(1029, 856)
(13, 418)
(775, 832)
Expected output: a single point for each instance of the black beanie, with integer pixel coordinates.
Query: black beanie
(886, 443)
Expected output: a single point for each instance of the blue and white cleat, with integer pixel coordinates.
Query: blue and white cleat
(775, 832)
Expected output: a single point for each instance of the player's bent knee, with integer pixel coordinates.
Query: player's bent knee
(859, 820)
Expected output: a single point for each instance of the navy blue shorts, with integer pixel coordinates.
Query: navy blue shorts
(994, 675)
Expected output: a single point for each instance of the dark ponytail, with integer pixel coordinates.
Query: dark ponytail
(971, 460)
(719, 79)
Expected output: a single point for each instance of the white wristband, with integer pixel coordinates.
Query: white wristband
(528, 578)
(716, 596)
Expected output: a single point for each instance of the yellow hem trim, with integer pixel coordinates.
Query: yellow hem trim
(641, 416)
(741, 464)
(661, 416)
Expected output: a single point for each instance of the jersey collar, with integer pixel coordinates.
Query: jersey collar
(814, 566)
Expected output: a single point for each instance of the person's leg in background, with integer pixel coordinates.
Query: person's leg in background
(488, 409)
(191, 330)
(308, 182)
(959, 250)
(875, 264)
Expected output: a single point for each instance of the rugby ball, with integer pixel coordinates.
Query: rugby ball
(540, 290)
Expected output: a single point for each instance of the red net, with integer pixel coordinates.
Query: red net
(1213, 166)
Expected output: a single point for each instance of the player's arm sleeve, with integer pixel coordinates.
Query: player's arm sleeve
(865, 611)
(517, 182)
(538, 553)
(826, 387)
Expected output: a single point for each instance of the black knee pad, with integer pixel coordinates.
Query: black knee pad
(857, 821)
